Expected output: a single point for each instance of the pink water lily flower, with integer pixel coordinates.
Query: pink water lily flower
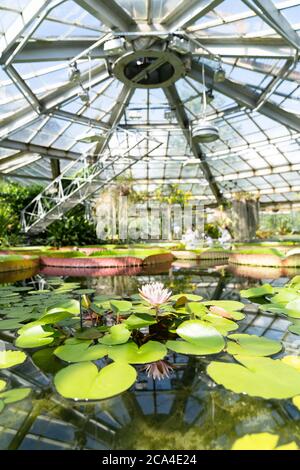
(158, 370)
(155, 293)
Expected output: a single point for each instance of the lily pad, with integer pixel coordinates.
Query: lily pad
(190, 297)
(200, 333)
(34, 335)
(257, 376)
(2, 385)
(118, 334)
(261, 441)
(296, 402)
(196, 308)
(9, 358)
(139, 320)
(252, 345)
(292, 308)
(84, 291)
(83, 381)
(90, 332)
(228, 305)
(16, 394)
(263, 290)
(295, 328)
(293, 361)
(285, 296)
(70, 305)
(11, 324)
(131, 353)
(46, 361)
(223, 325)
(80, 351)
(185, 347)
(119, 306)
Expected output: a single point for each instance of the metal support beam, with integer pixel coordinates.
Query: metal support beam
(49, 152)
(76, 118)
(55, 168)
(186, 13)
(26, 177)
(245, 97)
(116, 115)
(28, 14)
(275, 19)
(182, 118)
(26, 116)
(108, 12)
(66, 49)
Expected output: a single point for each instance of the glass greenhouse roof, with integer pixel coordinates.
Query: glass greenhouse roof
(44, 111)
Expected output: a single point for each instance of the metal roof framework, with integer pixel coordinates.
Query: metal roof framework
(256, 108)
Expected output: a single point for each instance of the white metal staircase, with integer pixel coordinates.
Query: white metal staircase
(83, 177)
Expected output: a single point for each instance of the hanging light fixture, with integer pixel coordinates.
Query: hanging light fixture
(202, 130)
(219, 74)
(74, 73)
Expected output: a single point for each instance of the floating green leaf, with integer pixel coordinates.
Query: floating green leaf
(9, 358)
(54, 316)
(261, 291)
(139, 320)
(200, 333)
(292, 308)
(83, 381)
(34, 335)
(11, 324)
(46, 361)
(2, 385)
(285, 296)
(295, 328)
(80, 351)
(70, 305)
(190, 297)
(228, 305)
(257, 376)
(252, 345)
(90, 332)
(119, 306)
(131, 353)
(16, 394)
(296, 402)
(196, 308)
(223, 325)
(261, 441)
(118, 334)
(185, 347)
(84, 291)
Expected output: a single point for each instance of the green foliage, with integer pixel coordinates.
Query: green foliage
(72, 230)
(13, 198)
(172, 194)
(212, 230)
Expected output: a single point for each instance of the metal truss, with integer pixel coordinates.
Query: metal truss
(108, 12)
(83, 178)
(246, 97)
(186, 13)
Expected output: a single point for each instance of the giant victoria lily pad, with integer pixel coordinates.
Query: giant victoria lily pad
(257, 376)
(252, 345)
(131, 353)
(83, 381)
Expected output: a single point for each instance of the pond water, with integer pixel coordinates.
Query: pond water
(185, 411)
